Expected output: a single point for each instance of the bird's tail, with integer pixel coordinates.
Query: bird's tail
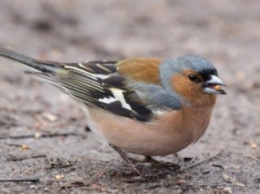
(42, 66)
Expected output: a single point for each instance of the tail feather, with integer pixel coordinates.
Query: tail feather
(42, 66)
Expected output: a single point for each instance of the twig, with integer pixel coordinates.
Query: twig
(62, 166)
(40, 136)
(75, 185)
(15, 145)
(26, 179)
(201, 161)
(25, 157)
(252, 157)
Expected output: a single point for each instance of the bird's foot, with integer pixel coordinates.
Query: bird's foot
(168, 165)
(141, 177)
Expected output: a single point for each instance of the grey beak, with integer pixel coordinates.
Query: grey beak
(213, 86)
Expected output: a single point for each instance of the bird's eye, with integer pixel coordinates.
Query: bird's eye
(193, 77)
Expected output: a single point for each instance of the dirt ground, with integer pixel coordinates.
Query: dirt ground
(43, 142)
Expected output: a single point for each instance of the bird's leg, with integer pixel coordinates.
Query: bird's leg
(126, 159)
(150, 160)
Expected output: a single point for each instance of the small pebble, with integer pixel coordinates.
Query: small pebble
(49, 116)
(37, 135)
(254, 145)
(180, 182)
(228, 190)
(59, 177)
(33, 187)
(25, 147)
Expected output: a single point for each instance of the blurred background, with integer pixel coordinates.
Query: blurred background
(226, 32)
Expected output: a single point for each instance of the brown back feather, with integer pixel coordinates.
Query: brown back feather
(141, 69)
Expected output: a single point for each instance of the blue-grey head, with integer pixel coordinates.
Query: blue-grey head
(191, 75)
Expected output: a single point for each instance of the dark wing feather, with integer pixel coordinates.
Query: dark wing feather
(98, 84)
(95, 83)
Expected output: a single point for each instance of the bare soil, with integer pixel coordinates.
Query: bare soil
(43, 142)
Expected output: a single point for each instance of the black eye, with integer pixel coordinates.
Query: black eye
(193, 77)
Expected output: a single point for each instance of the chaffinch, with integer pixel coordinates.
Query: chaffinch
(146, 106)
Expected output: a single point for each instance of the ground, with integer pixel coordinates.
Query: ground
(42, 132)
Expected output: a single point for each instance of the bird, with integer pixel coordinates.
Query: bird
(146, 106)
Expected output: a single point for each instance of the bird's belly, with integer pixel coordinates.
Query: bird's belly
(150, 139)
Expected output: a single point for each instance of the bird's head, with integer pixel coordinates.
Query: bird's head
(192, 77)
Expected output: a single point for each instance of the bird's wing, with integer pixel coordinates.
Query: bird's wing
(98, 84)
(130, 88)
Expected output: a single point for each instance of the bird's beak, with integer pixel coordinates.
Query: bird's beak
(213, 86)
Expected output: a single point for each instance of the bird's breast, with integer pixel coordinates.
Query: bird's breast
(169, 133)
